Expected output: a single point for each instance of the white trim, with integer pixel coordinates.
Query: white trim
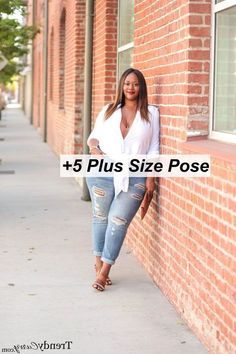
(212, 78)
(223, 5)
(125, 47)
(122, 48)
(213, 134)
(227, 138)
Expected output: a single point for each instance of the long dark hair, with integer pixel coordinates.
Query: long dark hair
(120, 98)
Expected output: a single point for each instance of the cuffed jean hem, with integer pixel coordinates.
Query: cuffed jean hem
(99, 254)
(108, 261)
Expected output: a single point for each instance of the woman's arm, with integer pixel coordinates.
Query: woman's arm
(154, 147)
(150, 186)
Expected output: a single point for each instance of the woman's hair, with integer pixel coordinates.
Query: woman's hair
(120, 98)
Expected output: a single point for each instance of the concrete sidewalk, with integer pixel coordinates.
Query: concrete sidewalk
(47, 266)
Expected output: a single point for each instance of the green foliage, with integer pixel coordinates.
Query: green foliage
(10, 6)
(14, 37)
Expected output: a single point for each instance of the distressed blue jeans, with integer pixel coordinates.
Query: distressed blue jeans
(112, 216)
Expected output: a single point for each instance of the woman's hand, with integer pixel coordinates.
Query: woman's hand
(150, 186)
(95, 151)
(94, 147)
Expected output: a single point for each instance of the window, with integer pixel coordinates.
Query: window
(51, 82)
(62, 59)
(125, 35)
(223, 124)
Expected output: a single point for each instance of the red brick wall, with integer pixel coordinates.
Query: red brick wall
(198, 66)
(186, 240)
(104, 53)
(64, 126)
(79, 73)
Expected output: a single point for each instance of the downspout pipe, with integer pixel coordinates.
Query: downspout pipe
(88, 66)
(45, 70)
(32, 68)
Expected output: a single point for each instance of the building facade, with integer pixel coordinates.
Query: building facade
(186, 51)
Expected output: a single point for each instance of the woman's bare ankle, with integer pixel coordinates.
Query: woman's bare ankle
(98, 263)
(105, 269)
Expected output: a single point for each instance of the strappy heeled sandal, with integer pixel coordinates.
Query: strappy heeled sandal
(99, 284)
(108, 280)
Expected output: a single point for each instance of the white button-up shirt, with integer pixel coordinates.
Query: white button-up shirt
(142, 138)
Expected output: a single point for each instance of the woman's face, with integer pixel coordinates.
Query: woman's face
(131, 87)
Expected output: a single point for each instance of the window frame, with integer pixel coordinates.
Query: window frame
(123, 48)
(216, 8)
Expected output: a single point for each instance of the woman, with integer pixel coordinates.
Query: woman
(127, 126)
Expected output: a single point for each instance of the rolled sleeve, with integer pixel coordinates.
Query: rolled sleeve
(97, 129)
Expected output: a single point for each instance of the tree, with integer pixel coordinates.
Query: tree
(14, 37)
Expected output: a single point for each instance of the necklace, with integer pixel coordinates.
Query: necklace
(125, 123)
(128, 117)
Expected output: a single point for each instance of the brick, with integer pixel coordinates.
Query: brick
(195, 20)
(186, 240)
